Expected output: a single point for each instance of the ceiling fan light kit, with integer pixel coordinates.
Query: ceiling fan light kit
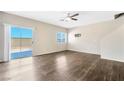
(67, 19)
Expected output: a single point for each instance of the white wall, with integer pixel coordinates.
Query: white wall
(1, 41)
(44, 35)
(92, 35)
(4, 44)
(112, 45)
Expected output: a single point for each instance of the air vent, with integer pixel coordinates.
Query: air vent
(77, 35)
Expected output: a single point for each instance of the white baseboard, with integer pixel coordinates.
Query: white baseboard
(107, 58)
(1, 61)
(83, 52)
(113, 59)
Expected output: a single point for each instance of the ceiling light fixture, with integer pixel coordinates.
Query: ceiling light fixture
(67, 19)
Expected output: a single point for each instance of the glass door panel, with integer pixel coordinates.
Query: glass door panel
(15, 42)
(21, 42)
(26, 42)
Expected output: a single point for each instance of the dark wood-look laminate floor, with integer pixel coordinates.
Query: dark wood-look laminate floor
(61, 66)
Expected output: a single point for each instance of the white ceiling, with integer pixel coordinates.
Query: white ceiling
(53, 17)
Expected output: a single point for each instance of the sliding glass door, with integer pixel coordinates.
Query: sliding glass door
(21, 42)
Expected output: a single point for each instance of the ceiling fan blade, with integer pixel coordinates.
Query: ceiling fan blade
(118, 15)
(74, 19)
(75, 15)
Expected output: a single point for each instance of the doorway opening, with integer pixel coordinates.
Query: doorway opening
(21, 42)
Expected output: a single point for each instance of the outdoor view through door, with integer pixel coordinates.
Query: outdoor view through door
(21, 42)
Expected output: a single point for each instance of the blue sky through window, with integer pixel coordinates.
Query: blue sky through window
(18, 32)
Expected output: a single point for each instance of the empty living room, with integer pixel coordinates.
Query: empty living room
(61, 46)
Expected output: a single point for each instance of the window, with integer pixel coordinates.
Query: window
(19, 32)
(61, 37)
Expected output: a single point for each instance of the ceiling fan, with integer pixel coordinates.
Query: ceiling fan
(118, 15)
(70, 17)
